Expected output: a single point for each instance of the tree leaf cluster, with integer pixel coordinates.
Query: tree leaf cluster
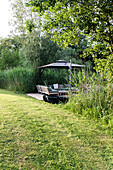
(67, 19)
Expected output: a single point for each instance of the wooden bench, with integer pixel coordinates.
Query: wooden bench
(46, 90)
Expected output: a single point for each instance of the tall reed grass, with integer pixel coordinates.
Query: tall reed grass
(25, 79)
(95, 97)
(19, 79)
(52, 76)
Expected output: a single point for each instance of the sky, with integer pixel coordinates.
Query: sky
(4, 18)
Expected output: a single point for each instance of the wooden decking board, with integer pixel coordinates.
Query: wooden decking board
(36, 95)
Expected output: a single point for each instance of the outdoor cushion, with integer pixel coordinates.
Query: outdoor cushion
(55, 86)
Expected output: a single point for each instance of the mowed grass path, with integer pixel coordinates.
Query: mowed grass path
(38, 135)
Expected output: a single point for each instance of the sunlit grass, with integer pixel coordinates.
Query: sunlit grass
(39, 135)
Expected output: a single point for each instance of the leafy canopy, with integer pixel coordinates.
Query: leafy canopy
(67, 19)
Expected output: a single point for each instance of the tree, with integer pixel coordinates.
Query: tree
(69, 18)
(9, 59)
(19, 15)
(22, 17)
(9, 52)
(38, 50)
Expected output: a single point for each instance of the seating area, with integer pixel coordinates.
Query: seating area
(56, 92)
(55, 89)
(51, 89)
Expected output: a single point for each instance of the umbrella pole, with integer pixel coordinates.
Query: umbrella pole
(70, 72)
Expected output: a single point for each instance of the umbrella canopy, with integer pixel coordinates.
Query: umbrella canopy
(61, 64)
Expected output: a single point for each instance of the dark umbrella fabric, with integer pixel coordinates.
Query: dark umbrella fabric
(61, 64)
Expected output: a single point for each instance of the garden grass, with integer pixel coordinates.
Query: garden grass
(38, 135)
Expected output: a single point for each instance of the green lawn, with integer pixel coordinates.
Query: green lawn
(38, 135)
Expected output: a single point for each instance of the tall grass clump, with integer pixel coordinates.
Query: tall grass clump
(2, 79)
(19, 79)
(95, 97)
(52, 76)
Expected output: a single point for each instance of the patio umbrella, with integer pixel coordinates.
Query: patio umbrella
(61, 64)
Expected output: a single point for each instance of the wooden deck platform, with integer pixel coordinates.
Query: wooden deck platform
(36, 95)
(39, 96)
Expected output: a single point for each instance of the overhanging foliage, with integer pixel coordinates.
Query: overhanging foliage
(69, 19)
